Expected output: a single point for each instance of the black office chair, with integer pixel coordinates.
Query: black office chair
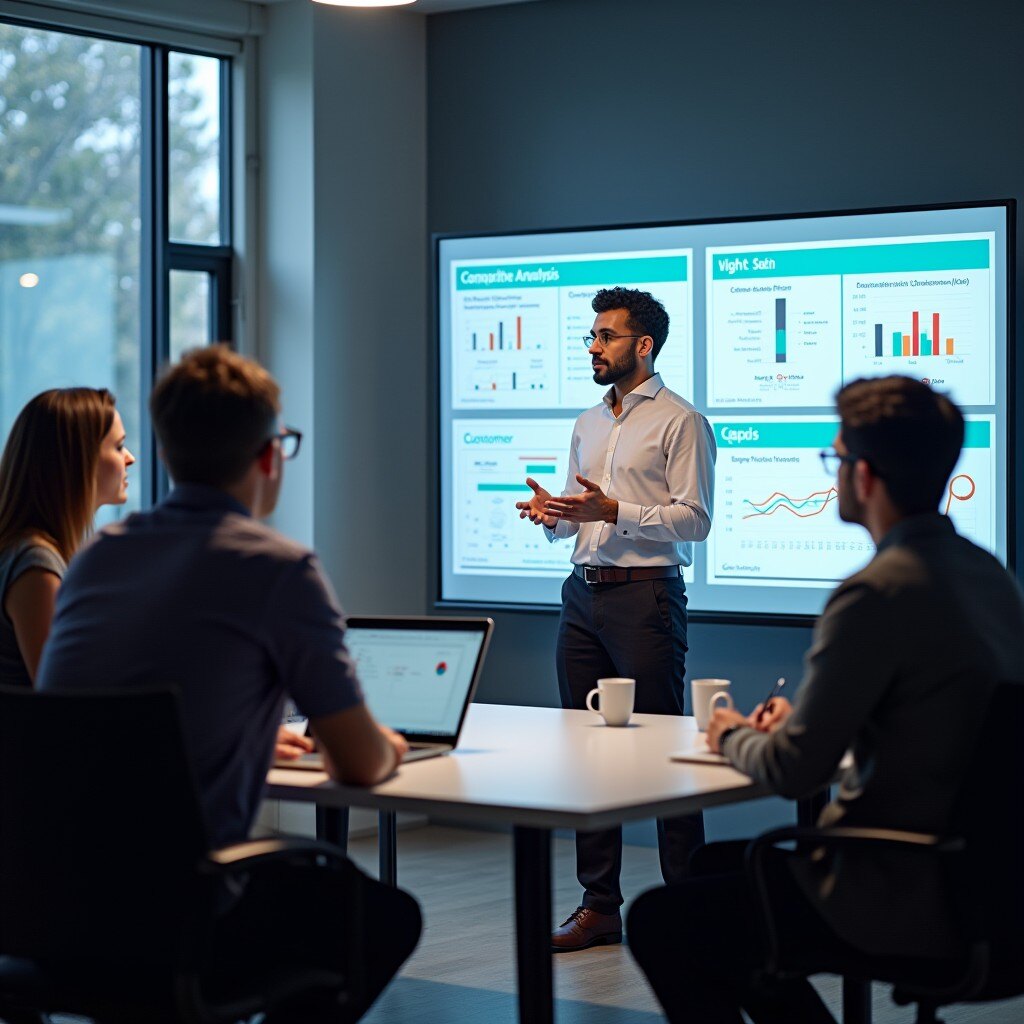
(982, 859)
(108, 892)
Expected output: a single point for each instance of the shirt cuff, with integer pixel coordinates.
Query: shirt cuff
(628, 522)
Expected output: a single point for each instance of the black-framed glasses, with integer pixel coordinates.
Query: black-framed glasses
(604, 338)
(291, 441)
(832, 460)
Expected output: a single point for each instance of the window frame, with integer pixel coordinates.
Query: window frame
(158, 254)
(161, 255)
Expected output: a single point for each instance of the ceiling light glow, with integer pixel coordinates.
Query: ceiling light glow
(28, 280)
(365, 3)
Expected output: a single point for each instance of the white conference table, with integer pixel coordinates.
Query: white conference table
(537, 769)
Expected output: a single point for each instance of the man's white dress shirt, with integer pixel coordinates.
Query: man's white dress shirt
(657, 460)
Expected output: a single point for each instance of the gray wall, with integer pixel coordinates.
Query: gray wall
(371, 292)
(343, 287)
(588, 112)
(286, 343)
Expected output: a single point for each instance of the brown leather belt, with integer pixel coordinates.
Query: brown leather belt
(613, 574)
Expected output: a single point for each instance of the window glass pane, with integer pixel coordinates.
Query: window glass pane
(190, 311)
(70, 133)
(194, 152)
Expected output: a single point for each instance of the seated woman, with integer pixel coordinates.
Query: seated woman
(64, 458)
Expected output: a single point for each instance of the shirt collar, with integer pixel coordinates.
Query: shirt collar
(204, 498)
(927, 524)
(648, 389)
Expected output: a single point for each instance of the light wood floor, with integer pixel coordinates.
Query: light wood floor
(463, 971)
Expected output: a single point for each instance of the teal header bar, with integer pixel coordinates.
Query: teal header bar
(910, 257)
(640, 270)
(977, 434)
(739, 434)
(747, 434)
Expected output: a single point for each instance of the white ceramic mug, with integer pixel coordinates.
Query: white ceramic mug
(616, 700)
(706, 693)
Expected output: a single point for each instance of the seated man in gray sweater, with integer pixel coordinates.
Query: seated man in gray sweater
(199, 594)
(902, 663)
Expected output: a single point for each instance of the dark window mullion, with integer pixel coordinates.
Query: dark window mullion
(155, 282)
(226, 205)
(161, 346)
(220, 304)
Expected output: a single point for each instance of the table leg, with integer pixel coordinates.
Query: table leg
(856, 1001)
(332, 825)
(387, 847)
(533, 924)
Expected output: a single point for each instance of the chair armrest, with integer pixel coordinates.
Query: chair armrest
(280, 850)
(829, 838)
(839, 837)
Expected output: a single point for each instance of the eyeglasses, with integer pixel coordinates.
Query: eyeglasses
(291, 441)
(604, 338)
(832, 460)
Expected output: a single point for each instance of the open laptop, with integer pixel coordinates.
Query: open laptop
(418, 676)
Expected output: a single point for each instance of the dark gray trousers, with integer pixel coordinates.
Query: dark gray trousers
(637, 630)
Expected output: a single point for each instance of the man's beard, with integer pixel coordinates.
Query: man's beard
(850, 509)
(614, 372)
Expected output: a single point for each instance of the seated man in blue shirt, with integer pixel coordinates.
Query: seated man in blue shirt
(199, 594)
(903, 659)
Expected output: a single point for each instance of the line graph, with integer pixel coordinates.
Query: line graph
(816, 502)
(776, 509)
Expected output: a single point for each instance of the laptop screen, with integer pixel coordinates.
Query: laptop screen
(415, 678)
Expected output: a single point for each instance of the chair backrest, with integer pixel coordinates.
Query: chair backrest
(100, 828)
(988, 815)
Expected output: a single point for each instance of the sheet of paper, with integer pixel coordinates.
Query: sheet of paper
(698, 756)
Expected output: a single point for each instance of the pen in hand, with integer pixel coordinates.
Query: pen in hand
(775, 690)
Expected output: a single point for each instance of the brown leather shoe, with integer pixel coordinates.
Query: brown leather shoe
(585, 928)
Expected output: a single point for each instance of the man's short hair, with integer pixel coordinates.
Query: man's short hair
(646, 314)
(213, 412)
(910, 435)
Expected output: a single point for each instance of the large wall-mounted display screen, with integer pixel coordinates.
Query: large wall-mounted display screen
(768, 318)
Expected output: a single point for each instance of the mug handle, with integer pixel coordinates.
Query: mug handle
(721, 693)
(590, 698)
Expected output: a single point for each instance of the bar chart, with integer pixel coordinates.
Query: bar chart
(497, 340)
(917, 342)
(939, 328)
(518, 327)
(780, 330)
(773, 342)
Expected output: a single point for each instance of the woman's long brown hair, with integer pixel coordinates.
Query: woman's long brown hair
(48, 468)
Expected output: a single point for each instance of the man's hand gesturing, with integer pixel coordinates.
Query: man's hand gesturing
(590, 506)
(534, 508)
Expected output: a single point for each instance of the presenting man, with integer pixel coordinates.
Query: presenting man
(199, 594)
(903, 660)
(638, 494)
